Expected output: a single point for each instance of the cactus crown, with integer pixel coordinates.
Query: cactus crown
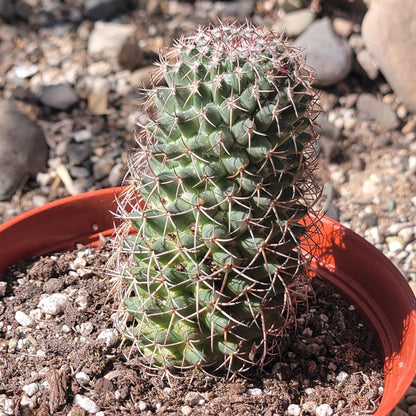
(219, 187)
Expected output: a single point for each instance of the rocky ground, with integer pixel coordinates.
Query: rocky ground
(73, 71)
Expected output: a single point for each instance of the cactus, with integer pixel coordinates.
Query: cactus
(219, 186)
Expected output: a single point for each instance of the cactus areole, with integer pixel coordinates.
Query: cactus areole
(211, 273)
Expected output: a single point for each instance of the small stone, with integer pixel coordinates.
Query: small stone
(53, 304)
(254, 392)
(82, 378)
(60, 97)
(370, 108)
(23, 319)
(367, 64)
(98, 97)
(31, 389)
(110, 336)
(7, 405)
(342, 376)
(192, 398)
(102, 168)
(395, 244)
(116, 175)
(186, 410)
(324, 410)
(412, 410)
(293, 410)
(294, 23)
(3, 288)
(106, 38)
(86, 403)
(142, 405)
(343, 27)
(411, 399)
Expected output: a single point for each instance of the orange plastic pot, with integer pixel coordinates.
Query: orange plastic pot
(363, 274)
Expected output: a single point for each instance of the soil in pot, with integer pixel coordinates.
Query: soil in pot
(61, 355)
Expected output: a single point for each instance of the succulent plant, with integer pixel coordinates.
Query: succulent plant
(208, 250)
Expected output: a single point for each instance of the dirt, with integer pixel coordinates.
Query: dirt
(58, 362)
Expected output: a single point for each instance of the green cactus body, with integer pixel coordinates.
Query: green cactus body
(224, 174)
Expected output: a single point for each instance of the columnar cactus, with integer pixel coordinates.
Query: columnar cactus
(219, 188)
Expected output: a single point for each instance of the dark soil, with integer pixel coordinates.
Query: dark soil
(329, 358)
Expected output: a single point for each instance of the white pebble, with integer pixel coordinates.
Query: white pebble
(142, 405)
(395, 244)
(186, 410)
(82, 378)
(254, 392)
(324, 410)
(30, 389)
(23, 319)
(110, 336)
(53, 304)
(293, 410)
(86, 403)
(342, 376)
(6, 405)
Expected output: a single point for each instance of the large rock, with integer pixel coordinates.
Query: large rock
(23, 150)
(389, 33)
(325, 52)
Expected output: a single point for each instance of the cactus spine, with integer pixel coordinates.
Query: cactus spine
(219, 187)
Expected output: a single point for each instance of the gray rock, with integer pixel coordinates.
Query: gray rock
(105, 9)
(107, 38)
(102, 168)
(392, 44)
(78, 152)
(23, 149)
(238, 8)
(325, 52)
(59, 97)
(370, 108)
(294, 23)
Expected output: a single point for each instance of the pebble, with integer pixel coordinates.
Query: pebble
(23, 319)
(142, 405)
(82, 378)
(293, 410)
(324, 410)
(254, 392)
(54, 304)
(6, 405)
(395, 244)
(186, 410)
(86, 403)
(110, 336)
(294, 23)
(23, 149)
(325, 52)
(192, 398)
(106, 38)
(60, 97)
(412, 410)
(389, 44)
(370, 108)
(31, 389)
